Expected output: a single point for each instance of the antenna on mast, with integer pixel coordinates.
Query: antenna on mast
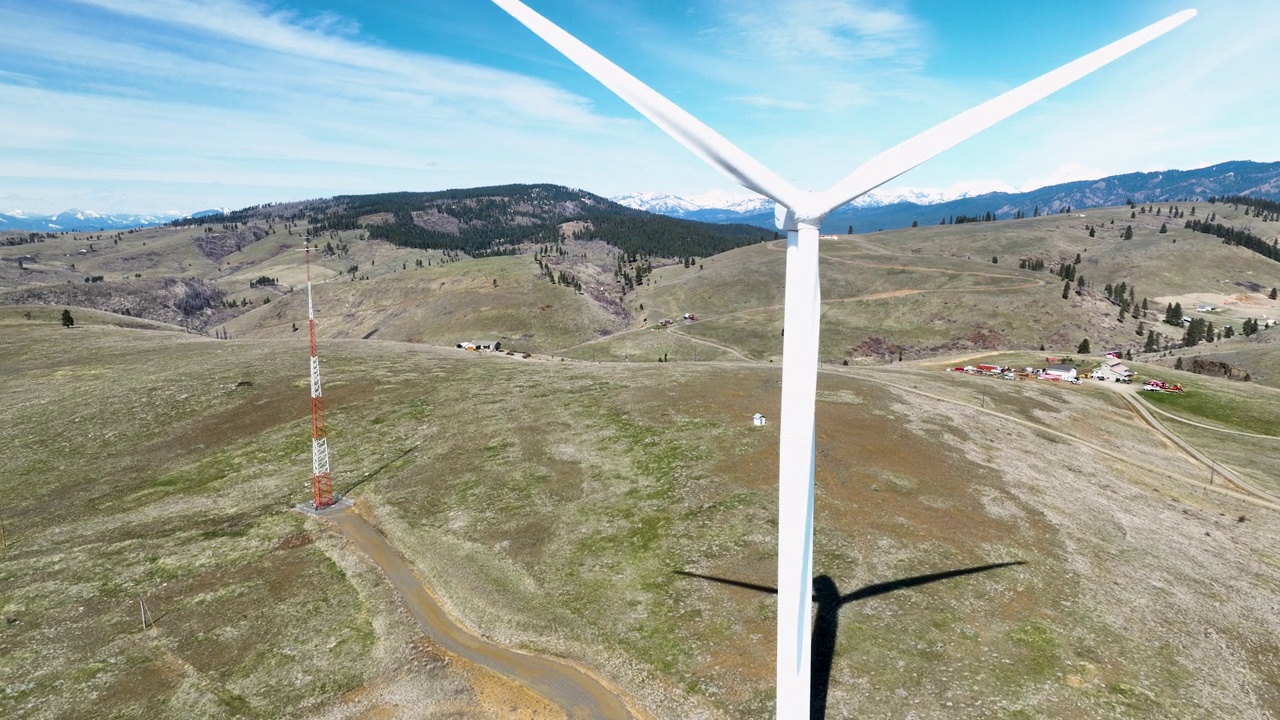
(321, 479)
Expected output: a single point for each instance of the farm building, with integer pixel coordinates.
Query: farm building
(1113, 368)
(1059, 372)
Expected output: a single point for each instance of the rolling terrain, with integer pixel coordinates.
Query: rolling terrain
(987, 548)
(575, 509)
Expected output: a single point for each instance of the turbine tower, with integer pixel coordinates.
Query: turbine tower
(321, 480)
(800, 213)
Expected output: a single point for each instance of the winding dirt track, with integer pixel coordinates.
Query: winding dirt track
(1231, 475)
(1215, 428)
(577, 693)
(1243, 491)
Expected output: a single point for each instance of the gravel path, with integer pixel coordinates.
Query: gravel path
(578, 694)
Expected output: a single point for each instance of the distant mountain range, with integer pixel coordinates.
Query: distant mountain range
(88, 221)
(721, 206)
(876, 211)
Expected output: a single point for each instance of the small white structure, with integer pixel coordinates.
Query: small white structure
(488, 345)
(1059, 372)
(757, 419)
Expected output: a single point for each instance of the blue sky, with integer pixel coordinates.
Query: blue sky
(155, 105)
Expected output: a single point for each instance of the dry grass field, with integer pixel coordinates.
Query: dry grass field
(567, 508)
(987, 548)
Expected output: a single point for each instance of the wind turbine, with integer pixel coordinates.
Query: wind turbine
(800, 213)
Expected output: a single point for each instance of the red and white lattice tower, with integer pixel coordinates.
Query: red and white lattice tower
(321, 480)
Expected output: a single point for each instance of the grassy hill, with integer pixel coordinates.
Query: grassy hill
(488, 299)
(935, 289)
(576, 509)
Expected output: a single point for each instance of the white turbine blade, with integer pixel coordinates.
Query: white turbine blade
(906, 155)
(704, 142)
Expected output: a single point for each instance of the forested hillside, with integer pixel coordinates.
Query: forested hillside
(495, 220)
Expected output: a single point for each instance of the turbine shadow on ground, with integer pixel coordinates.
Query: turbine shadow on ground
(826, 622)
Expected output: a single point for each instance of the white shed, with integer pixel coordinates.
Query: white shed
(1060, 372)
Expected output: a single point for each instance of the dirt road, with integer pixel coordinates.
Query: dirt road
(578, 694)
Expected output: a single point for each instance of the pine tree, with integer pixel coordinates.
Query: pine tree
(1151, 344)
(1128, 232)
(1163, 228)
(1066, 289)
(1083, 347)
(1274, 293)
(67, 320)
(1178, 365)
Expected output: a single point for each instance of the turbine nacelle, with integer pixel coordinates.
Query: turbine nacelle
(805, 212)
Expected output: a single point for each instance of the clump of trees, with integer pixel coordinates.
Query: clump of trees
(1234, 236)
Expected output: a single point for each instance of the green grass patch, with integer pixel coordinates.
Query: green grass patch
(1235, 410)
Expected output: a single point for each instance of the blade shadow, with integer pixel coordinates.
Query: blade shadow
(826, 621)
(727, 581)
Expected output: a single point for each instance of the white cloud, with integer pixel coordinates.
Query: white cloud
(224, 98)
(214, 97)
(806, 31)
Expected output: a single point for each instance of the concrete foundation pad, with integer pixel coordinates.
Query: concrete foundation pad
(338, 505)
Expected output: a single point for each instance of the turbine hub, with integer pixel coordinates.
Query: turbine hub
(806, 213)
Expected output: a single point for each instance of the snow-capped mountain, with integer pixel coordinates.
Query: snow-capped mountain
(678, 206)
(75, 220)
(720, 205)
(901, 207)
